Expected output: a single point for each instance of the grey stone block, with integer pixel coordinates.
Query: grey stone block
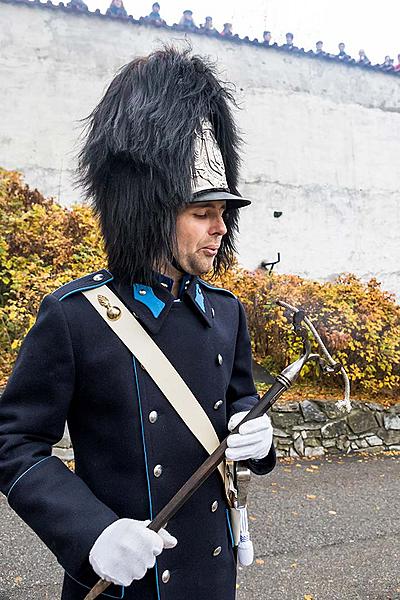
(319, 451)
(283, 442)
(286, 407)
(334, 428)
(299, 446)
(360, 421)
(281, 453)
(280, 432)
(391, 421)
(306, 426)
(329, 443)
(311, 412)
(284, 420)
(374, 440)
(313, 442)
(329, 408)
(389, 437)
(374, 406)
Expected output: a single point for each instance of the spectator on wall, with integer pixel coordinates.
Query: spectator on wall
(207, 26)
(77, 5)
(289, 42)
(363, 58)
(318, 48)
(154, 17)
(227, 30)
(387, 65)
(342, 55)
(116, 9)
(187, 21)
(397, 67)
(266, 38)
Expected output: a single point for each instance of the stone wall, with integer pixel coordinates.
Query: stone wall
(321, 139)
(316, 428)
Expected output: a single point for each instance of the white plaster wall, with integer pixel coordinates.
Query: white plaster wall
(321, 139)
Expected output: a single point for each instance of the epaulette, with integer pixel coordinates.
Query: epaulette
(87, 282)
(216, 289)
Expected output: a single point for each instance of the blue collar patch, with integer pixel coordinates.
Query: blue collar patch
(145, 295)
(199, 298)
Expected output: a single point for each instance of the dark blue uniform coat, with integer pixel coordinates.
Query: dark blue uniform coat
(73, 367)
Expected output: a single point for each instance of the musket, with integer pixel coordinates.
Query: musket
(282, 383)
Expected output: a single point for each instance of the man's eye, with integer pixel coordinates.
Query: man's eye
(201, 216)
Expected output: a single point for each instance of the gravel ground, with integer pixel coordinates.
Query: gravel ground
(323, 530)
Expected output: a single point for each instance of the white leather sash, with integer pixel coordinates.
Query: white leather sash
(165, 376)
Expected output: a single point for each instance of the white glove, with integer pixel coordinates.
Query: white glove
(254, 439)
(126, 549)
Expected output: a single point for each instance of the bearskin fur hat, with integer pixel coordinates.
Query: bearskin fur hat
(137, 162)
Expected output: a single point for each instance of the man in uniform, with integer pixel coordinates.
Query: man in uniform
(160, 162)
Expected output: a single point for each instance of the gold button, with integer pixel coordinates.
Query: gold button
(220, 360)
(217, 551)
(214, 506)
(157, 471)
(218, 404)
(153, 416)
(142, 292)
(165, 577)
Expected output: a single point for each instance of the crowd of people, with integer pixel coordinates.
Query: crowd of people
(187, 23)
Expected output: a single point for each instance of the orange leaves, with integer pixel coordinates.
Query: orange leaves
(359, 322)
(43, 245)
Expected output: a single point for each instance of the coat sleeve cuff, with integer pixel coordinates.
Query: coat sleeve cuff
(264, 465)
(62, 511)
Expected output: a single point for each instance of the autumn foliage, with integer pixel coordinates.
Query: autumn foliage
(44, 245)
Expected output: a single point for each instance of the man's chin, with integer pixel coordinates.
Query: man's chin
(199, 269)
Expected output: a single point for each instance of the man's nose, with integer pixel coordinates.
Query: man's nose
(218, 227)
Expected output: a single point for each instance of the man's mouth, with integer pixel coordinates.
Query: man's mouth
(210, 250)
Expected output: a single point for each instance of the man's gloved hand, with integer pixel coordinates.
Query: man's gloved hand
(254, 439)
(126, 549)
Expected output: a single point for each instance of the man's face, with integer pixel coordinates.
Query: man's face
(199, 230)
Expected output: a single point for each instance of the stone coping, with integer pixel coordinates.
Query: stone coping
(317, 428)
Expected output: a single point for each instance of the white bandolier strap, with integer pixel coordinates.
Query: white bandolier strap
(142, 346)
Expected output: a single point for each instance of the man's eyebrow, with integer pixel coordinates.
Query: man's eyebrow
(206, 205)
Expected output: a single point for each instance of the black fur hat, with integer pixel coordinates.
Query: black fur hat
(137, 160)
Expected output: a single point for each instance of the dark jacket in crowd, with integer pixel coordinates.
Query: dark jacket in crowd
(116, 11)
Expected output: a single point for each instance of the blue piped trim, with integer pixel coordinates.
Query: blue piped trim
(216, 289)
(103, 593)
(230, 527)
(146, 463)
(199, 298)
(154, 304)
(25, 472)
(88, 287)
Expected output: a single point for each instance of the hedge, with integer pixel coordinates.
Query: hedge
(44, 245)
